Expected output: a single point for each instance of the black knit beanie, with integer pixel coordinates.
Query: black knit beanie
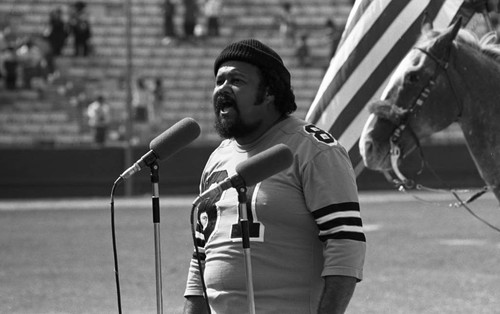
(256, 53)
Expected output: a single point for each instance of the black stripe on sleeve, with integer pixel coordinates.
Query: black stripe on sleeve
(357, 236)
(335, 208)
(344, 221)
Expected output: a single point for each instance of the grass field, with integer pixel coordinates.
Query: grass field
(56, 256)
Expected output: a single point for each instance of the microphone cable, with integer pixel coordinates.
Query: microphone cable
(113, 237)
(198, 259)
(115, 255)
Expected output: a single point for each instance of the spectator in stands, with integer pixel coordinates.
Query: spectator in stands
(287, 25)
(10, 65)
(57, 31)
(79, 100)
(302, 51)
(169, 32)
(10, 35)
(3, 41)
(99, 115)
(32, 62)
(213, 10)
(191, 12)
(3, 47)
(3, 44)
(47, 67)
(333, 34)
(81, 29)
(142, 102)
(158, 95)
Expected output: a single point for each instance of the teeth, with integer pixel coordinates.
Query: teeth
(225, 110)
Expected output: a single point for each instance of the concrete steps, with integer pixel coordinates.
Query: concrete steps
(185, 69)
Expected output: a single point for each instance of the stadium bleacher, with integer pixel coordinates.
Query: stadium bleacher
(185, 69)
(31, 126)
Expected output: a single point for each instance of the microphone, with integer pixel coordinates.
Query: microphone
(166, 144)
(253, 170)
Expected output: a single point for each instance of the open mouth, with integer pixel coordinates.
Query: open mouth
(224, 105)
(225, 110)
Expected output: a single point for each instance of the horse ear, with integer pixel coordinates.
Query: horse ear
(452, 31)
(426, 24)
(456, 27)
(443, 43)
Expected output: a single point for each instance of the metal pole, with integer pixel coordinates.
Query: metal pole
(128, 88)
(156, 223)
(245, 239)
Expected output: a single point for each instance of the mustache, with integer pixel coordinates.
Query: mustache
(222, 100)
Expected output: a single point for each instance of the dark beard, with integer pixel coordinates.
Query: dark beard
(232, 128)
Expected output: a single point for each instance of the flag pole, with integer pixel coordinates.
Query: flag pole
(128, 101)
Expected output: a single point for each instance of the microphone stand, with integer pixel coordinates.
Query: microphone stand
(155, 178)
(245, 239)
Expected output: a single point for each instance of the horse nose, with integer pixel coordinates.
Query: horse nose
(366, 149)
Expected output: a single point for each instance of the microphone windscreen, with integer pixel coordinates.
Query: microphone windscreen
(175, 138)
(265, 164)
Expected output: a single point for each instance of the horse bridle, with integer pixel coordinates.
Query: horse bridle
(395, 150)
(404, 183)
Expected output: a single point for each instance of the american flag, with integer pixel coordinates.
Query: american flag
(377, 35)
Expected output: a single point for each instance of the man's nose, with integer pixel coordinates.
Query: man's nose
(223, 87)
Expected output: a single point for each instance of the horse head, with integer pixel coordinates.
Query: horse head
(418, 101)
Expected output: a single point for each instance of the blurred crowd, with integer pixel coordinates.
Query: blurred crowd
(28, 62)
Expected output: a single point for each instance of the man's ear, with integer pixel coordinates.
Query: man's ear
(268, 98)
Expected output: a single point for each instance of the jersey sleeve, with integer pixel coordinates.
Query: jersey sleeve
(331, 195)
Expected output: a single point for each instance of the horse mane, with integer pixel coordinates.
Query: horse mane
(486, 44)
(385, 110)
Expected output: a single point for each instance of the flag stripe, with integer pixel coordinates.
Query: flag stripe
(389, 63)
(368, 53)
(357, 13)
(378, 35)
(380, 73)
(343, 52)
(366, 34)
